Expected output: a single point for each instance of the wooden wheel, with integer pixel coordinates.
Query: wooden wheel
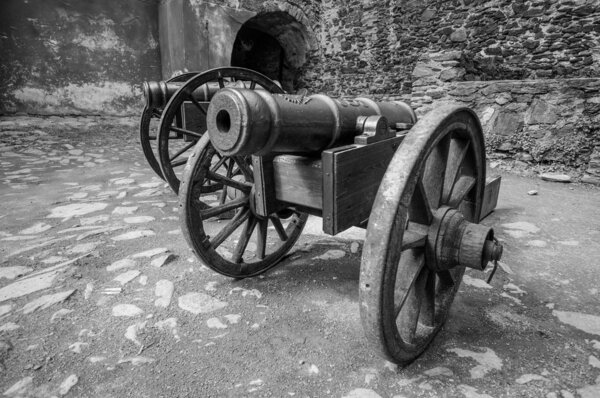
(149, 125)
(407, 282)
(246, 245)
(175, 141)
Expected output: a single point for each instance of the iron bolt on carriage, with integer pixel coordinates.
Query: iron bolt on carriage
(269, 159)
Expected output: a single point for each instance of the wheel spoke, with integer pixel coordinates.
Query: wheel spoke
(433, 176)
(279, 228)
(223, 197)
(152, 137)
(427, 315)
(182, 150)
(252, 84)
(457, 152)
(419, 210)
(234, 224)
(261, 238)
(446, 279)
(218, 165)
(246, 171)
(230, 168)
(210, 188)
(414, 236)
(215, 211)
(243, 241)
(242, 186)
(221, 81)
(198, 205)
(408, 316)
(198, 105)
(179, 163)
(184, 131)
(411, 263)
(461, 189)
(468, 208)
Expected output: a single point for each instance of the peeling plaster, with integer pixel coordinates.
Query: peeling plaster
(102, 97)
(198, 7)
(77, 58)
(152, 43)
(105, 40)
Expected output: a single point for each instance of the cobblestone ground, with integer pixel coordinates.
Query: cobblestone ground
(101, 297)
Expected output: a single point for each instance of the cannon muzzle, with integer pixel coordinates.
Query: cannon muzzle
(157, 94)
(247, 122)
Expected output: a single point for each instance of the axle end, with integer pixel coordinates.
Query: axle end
(456, 241)
(492, 250)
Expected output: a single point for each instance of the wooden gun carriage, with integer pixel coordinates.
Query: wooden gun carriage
(270, 159)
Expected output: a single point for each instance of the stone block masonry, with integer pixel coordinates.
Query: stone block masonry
(547, 122)
(536, 121)
(373, 47)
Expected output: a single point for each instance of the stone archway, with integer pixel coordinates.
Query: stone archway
(273, 43)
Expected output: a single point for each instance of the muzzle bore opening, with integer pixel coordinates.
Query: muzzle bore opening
(223, 121)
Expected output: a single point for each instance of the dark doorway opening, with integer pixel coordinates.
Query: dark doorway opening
(261, 52)
(274, 44)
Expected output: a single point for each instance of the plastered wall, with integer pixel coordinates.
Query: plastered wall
(77, 57)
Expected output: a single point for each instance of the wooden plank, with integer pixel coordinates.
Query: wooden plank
(265, 201)
(490, 196)
(193, 119)
(298, 180)
(329, 206)
(351, 179)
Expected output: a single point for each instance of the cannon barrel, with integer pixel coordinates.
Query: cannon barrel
(157, 94)
(246, 122)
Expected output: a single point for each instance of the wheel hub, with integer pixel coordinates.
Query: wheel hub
(453, 241)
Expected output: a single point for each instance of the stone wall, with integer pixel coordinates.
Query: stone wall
(545, 122)
(77, 57)
(372, 47)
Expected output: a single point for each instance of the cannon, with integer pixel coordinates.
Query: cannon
(151, 113)
(174, 119)
(417, 186)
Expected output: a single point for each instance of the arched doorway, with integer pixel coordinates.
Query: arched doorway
(274, 44)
